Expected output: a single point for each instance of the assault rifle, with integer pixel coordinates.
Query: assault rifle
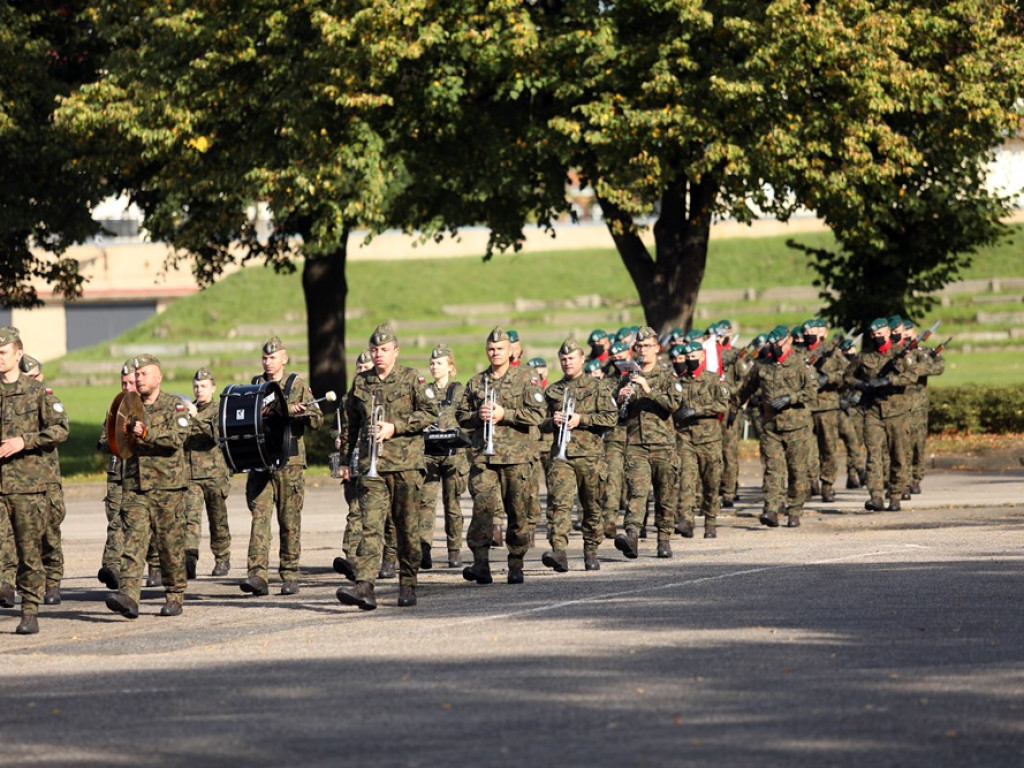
(880, 384)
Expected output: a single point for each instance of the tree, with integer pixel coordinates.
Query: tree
(45, 200)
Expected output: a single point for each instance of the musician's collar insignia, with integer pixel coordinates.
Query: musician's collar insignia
(538, 397)
(429, 392)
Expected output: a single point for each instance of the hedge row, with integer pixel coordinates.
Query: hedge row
(977, 408)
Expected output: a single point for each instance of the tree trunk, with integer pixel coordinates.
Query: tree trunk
(668, 284)
(325, 289)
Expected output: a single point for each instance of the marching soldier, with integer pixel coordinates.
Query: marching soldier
(647, 399)
(501, 405)
(389, 405)
(851, 425)
(284, 488)
(735, 366)
(702, 403)
(785, 389)
(210, 480)
(353, 521)
(881, 376)
(29, 427)
(600, 345)
(615, 500)
(928, 362)
(153, 494)
(579, 411)
(829, 366)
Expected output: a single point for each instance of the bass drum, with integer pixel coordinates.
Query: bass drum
(254, 432)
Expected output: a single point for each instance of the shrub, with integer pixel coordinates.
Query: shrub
(988, 409)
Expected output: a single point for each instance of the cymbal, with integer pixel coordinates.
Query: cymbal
(125, 408)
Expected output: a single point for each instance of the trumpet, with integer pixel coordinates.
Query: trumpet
(564, 433)
(376, 417)
(491, 398)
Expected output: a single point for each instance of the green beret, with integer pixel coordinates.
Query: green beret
(596, 335)
(692, 346)
(513, 335)
(725, 327)
(878, 323)
(537, 362)
(908, 324)
(797, 330)
(760, 340)
(274, 344)
(846, 344)
(895, 321)
(203, 374)
(569, 346)
(677, 350)
(498, 334)
(29, 363)
(618, 348)
(382, 334)
(694, 335)
(8, 335)
(141, 361)
(778, 333)
(592, 365)
(623, 333)
(441, 350)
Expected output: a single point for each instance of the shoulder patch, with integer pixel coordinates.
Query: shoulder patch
(58, 407)
(49, 391)
(179, 406)
(182, 421)
(538, 397)
(679, 386)
(429, 391)
(421, 379)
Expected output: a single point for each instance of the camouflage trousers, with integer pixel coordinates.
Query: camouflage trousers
(285, 490)
(53, 553)
(851, 431)
(158, 517)
(657, 467)
(114, 545)
(353, 520)
(498, 488)
(888, 444)
(786, 480)
(732, 428)
(826, 433)
(567, 477)
(25, 516)
(395, 496)
(210, 494)
(700, 475)
(918, 441)
(614, 499)
(449, 475)
(8, 552)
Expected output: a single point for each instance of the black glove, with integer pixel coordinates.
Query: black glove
(780, 402)
(822, 380)
(879, 383)
(862, 386)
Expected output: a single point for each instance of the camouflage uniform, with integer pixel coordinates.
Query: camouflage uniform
(786, 433)
(447, 471)
(411, 405)
(153, 499)
(927, 364)
(702, 404)
(285, 489)
(735, 367)
(615, 464)
(583, 468)
(506, 480)
(886, 407)
(829, 369)
(353, 521)
(112, 506)
(24, 480)
(53, 553)
(210, 483)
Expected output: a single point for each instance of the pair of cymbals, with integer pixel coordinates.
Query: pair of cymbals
(126, 409)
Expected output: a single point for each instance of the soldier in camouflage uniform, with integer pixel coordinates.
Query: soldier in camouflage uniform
(736, 365)
(646, 400)
(881, 375)
(210, 480)
(284, 488)
(851, 425)
(153, 494)
(447, 469)
(350, 483)
(702, 404)
(590, 412)
(504, 479)
(615, 499)
(785, 390)
(53, 553)
(401, 405)
(928, 362)
(829, 365)
(30, 426)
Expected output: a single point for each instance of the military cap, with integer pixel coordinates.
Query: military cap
(498, 334)
(618, 348)
(441, 350)
(694, 335)
(879, 323)
(908, 324)
(596, 335)
(382, 334)
(364, 358)
(8, 335)
(513, 335)
(797, 330)
(692, 346)
(537, 362)
(623, 333)
(778, 333)
(645, 333)
(724, 327)
(895, 321)
(678, 350)
(274, 344)
(592, 365)
(569, 346)
(203, 374)
(141, 361)
(676, 333)
(760, 340)
(29, 363)
(128, 367)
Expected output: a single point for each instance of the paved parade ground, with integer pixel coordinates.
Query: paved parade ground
(859, 639)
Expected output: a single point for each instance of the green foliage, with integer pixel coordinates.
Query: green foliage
(990, 409)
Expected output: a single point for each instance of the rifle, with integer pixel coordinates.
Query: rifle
(938, 350)
(837, 342)
(743, 353)
(857, 397)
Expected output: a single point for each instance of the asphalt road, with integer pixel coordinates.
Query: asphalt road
(859, 639)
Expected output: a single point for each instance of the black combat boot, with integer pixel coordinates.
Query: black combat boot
(827, 493)
(51, 596)
(171, 608)
(426, 561)
(710, 530)
(815, 487)
(406, 596)
(770, 518)
(221, 568)
(454, 558)
(191, 563)
(894, 503)
(728, 502)
(626, 543)
(290, 587)
(874, 504)
(590, 562)
(665, 548)
(110, 578)
(557, 560)
(609, 530)
(361, 595)
(479, 571)
(387, 569)
(515, 574)
(123, 604)
(345, 568)
(794, 521)
(852, 481)
(29, 625)
(915, 487)
(255, 585)
(155, 579)
(685, 528)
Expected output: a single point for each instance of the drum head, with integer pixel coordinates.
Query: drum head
(254, 426)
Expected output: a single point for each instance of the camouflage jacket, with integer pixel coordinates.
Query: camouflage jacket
(832, 365)
(598, 413)
(927, 364)
(406, 401)
(883, 402)
(158, 462)
(770, 379)
(648, 417)
(26, 412)
(202, 448)
(735, 368)
(313, 417)
(709, 397)
(51, 454)
(515, 436)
